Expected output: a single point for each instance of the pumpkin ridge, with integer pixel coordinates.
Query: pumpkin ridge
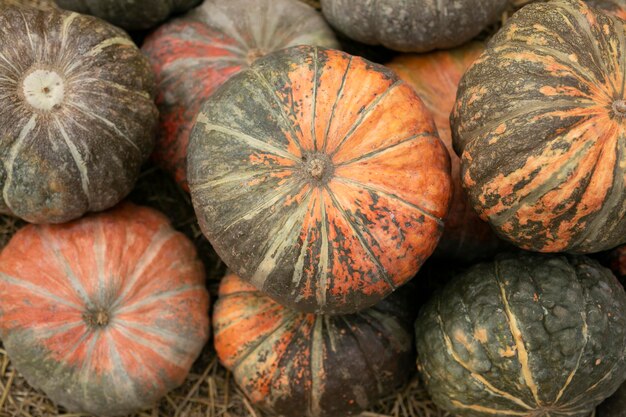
(521, 352)
(366, 246)
(81, 165)
(572, 374)
(317, 365)
(492, 389)
(336, 101)
(323, 284)
(386, 148)
(363, 115)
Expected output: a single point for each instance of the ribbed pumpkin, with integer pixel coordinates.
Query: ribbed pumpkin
(318, 177)
(130, 14)
(435, 77)
(614, 406)
(527, 335)
(77, 118)
(104, 314)
(540, 121)
(307, 365)
(195, 54)
(412, 26)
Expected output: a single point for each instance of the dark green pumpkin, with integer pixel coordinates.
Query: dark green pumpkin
(542, 153)
(614, 406)
(526, 335)
(127, 14)
(412, 26)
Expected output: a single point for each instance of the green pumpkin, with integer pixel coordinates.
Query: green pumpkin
(128, 14)
(526, 335)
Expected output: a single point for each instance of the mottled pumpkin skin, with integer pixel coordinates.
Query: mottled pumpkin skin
(319, 177)
(435, 77)
(77, 117)
(307, 365)
(38, 4)
(614, 406)
(193, 55)
(526, 335)
(104, 314)
(614, 7)
(130, 14)
(412, 26)
(541, 153)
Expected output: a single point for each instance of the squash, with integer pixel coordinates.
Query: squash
(435, 78)
(413, 26)
(525, 335)
(614, 7)
(128, 14)
(195, 54)
(38, 4)
(319, 177)
(104, 314)
(540, 153)
(77, 116)
(615, 406)
(307, 365)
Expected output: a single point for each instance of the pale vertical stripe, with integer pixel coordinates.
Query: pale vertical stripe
(322, 284)
(317, 366)
(80, 163)
(38, 290)
(118, 40)
(489, 410)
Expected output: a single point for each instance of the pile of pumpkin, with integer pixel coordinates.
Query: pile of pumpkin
(324, 181)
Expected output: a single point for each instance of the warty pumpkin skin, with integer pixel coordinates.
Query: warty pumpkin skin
(412, 26)
(195, 54)
(307, 365)
(435, 77)
(104, 314)
(77, 117)
(526, 335)
(130, 14)
(319, 177)
(541, 153)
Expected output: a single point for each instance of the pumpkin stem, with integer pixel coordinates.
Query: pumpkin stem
(254, 54)
(96, 318)
(619, 106)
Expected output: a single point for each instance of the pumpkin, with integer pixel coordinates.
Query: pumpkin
(307, 365)
(319, 177)
(195, 54)
(77, 117)
(39, 4)
(104, 314)
(415, 26)
(615, 406)
(614, 7)
(541, 153)
(435, 78)
(525, 335)
(130, 15)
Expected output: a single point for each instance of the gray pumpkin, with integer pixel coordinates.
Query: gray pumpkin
(412, 25)
(77, 116)
(130, 14)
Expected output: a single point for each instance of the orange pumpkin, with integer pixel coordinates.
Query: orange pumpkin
(319, 177)
(104, 314)
(307, 365)
(435, 77)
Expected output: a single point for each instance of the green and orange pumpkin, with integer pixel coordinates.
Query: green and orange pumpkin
(528, 335)
(105, 314)
(130, 14)
(195, 54)
(435, 77)
(319, 177)
(77, 116)
(540, 125)
(306, 365)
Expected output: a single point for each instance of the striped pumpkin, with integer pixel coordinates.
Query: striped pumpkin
(77, 117)
(614, 7)
(528, 335)
(542, 156)
(195, 54)
(435, 77)
(105, 314)
(307, 365)
(319, 178)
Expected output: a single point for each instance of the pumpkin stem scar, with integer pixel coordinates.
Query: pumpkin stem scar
(43, 89)
(619, 106)
(254, 54)
(316, 169)
(96, 318)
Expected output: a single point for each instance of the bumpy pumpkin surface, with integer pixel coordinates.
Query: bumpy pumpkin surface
(195, 54)
(130, 14)
(104, 314)
(412, 26)
(614, 406)
(307, 365)
(319, 177)
(77, 118)
(542, 155)
(527, 335)
(435, 77)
